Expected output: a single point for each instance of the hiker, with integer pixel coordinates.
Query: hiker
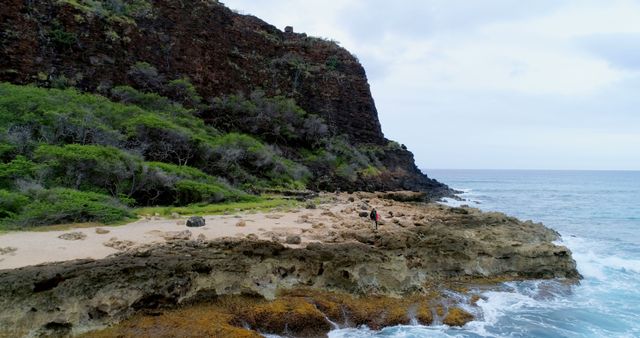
(374, 217)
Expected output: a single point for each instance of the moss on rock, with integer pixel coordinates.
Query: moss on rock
(457, 317)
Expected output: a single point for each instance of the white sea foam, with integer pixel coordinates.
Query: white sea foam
(593, 263)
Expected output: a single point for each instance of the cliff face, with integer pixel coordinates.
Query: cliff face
(94, 47)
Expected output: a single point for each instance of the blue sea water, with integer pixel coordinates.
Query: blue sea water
(598, 215)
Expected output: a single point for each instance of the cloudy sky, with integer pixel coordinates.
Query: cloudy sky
(508, 84)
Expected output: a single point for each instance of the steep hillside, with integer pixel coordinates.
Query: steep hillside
(299, 107)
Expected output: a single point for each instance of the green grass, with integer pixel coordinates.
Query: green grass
(260, 204)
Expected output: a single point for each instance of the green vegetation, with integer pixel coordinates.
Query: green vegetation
(258, 204)
(116, 11)
(56, 206)
(76, 157)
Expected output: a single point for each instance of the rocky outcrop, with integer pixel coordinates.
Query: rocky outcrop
(446, 244)
(95, 47)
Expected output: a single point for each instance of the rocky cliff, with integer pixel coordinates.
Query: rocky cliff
(96, 45)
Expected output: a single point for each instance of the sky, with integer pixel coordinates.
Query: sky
(491, 84)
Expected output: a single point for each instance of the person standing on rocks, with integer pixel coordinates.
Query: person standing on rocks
(374, 218)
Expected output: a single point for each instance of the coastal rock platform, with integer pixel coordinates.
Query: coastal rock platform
(343, 273)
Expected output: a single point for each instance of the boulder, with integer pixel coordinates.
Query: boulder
(195, 221)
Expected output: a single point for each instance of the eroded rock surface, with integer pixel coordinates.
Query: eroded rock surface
(436, 244)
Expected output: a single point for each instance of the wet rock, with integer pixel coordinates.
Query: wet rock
(424, 315)
(73, 236)
(101, 231)
(241, 223)
(195, 221)
(457, 317)
(287, 315)
(363, 214)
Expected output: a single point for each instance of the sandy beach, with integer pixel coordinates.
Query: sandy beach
(30, 248)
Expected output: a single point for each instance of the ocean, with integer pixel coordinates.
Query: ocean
(598, 215)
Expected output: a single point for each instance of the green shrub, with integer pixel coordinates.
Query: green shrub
(246, 161)
(90, 167)
(149, 101)
(185, 185)
(11, 203)
(114, 11)
(19, 168)
(62, 38)
(189, 192)
(145, 75)
(184, 172)
(184, 92)
(276, 120)
(60, 205)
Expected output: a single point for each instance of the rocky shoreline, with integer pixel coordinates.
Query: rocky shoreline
(344, 272)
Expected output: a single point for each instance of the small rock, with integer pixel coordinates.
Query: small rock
(252, 237)
(273, 216)
(351, 199)
(293, 239)
(201, 238)
(363, 214)
(175, 215)
(241, 224)
(177, 235)
(7, 250)
(101, 231)
(310, 205)
(117, 244)
(328, 213)
(275, 238)
(73, 236)
(195, 221)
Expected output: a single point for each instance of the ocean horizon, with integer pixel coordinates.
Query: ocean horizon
(596, 212)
